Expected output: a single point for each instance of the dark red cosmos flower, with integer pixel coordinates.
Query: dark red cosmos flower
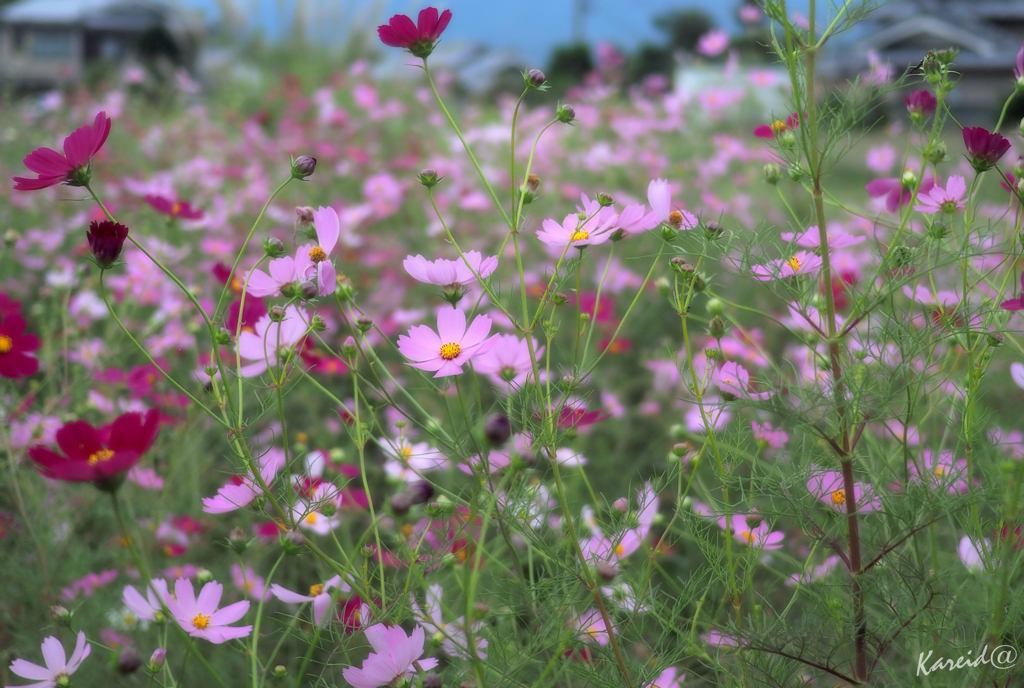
(101, 456)
(984, 148)
(15, 345)
(106, 239)
(72, 168)
(920, 103)
(9, 305)
(178, 209)
(254, 309)
(417, 38)
(1016, 304)
(224, 275)
(579, 416)
(770, 131)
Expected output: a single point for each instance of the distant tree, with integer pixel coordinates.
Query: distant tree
(684, 27)
(649, 58)
(570, 63)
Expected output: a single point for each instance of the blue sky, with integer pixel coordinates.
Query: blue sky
(530, 26)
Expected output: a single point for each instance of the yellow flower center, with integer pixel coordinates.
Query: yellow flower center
(407, 530)
(176, 208)
(311, 518)
(778, 126)
(405, 453)
(839, 497)
(315, 590)
(5, 344)
(794, 263)
(317, 254)
(748, 536)
(101, 455)
(580, 235)
(675, 218)
(201, 621)
(301, 438)
(593, 631)
(939, 471)
(619, 550)
(450, 350)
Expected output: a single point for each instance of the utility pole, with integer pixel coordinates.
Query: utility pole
(579, 11)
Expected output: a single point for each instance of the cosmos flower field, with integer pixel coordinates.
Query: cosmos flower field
(369, 384)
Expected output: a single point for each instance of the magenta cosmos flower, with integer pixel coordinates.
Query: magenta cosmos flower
(200, 616)
(984, 148)
(418, 38)
(16, 346)
(800, 263)
(752, 530)
(732, 378)
(939, 200)
(98, 455)
(72, 168)
(1016, 304)
(170, 208)
(242, 490)
(394, 654)
(58, 667)
(444, 352)
(778, 127)
(311, 261)
(450, 273)
(828, 487)
(920, 104)
(898, 192)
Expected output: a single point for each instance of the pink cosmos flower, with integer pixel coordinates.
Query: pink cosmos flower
(393, 657)
(815, 573)
(450, 273)
(897, 192)
(811, 238)
(881, 158)
(310, 515)
(171, 208)
(592, 627)
(72, 168)
(574, 232)
(283, 272)
(659, 196)
(320, 595)
(272, 342)
(242, 490)
(58, 667)
(311, 261)
(249, 582)
(718, 639)
(601, 547)
(148, 607)
(1015, 304)
(970, 551)
(940, 470)
(828, 487)
(407, 461)
(1017, 368)
(507, 362)
(201, 618)
(800, 263)
(1018, 71)
(445, 352)
(752, 529)
(768, 436)
(713, 43)
(939, 200)
(732, 378)
(777, 127)
(635, 219)
(672, 677)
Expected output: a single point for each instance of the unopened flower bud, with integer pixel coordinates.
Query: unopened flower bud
(273, 247)
(621, 505)
(714, 307)
(364, 324)
(157, 659)
(712, 229)
(937, 230)
(432, 680)
(420, 491)
(936, 153)
(303, 216)
(680, 450)
(106, 239)
(481, 610)
(308, 289)
(560, 299)
(606, 570)
(753, 520)
(996, 339)
(663, 286)
(303, 166)
(400, 503)
(428, 177)
(908, 179)
(565, 113)
(204, 576)
(605, 199)
(128, 661)
(668, 233)
(532, 182)
(349, 348)
(222, 336)
(60, 615)
(712, 353)
(796, 173)
(678, 264)
(498, 429)
(440, 507)
(238, 540)
(11, 237)
(318, 323)
(535, 78)
(367, 551)
(716, 327)
(276, 313)
(772, 173)
(280, 671)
